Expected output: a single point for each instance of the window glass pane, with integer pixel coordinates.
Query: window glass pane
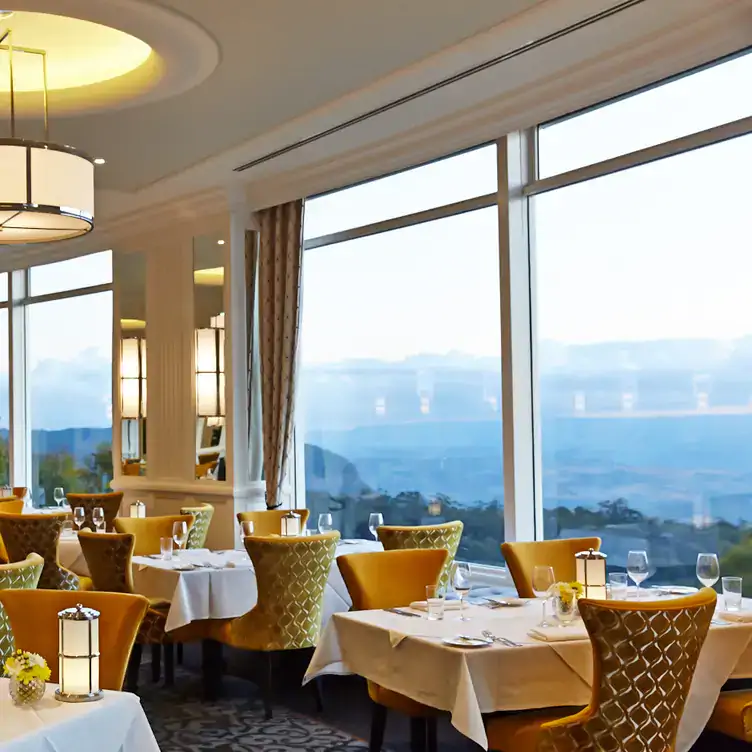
(645, 348)
(4, 287)
(463, 176)
(401, 380)
(4, 397)
(69, 350)
(689, 104)
(84, 271)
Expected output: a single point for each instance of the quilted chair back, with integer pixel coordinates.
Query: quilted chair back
(23, 575)
(446, 535)
(269, 521)
(109, 560)
(202, 517)
(14, 506)
(291, 574)
(24, 534)
(109, 502)
(644, 658)
(148, 530)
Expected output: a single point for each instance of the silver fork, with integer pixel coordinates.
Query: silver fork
(503, 640)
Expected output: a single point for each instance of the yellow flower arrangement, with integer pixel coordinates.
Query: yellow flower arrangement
(567, 592)
(25, 667)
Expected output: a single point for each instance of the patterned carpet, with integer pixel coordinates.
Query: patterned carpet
(183, 723)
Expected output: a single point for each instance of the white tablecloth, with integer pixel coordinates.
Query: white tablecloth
(116, 723)
(221, 593)
(71, 556)
(406, 655)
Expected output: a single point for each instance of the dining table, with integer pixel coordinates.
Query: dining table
(515, 671)
(116, 723)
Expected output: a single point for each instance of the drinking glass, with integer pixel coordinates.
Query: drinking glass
(97, 517)
(79, 516)
(618, 585)
(325, 523)
(637, 568)
(461, 583)
(165, 547)
(732, 593)
(543, 579)
(435, 602)
(59, 496)
(375, 521)
(708, 569)
(66, 530)
(246, 528)
(179, 534)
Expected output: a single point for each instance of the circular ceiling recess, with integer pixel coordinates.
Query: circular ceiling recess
(101, 55)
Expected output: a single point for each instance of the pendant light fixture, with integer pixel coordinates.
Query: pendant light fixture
(46, 190)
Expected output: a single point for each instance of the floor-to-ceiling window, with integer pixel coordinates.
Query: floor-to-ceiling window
(400, 387)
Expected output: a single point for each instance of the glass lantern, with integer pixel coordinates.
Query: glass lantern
(138, 509)
(78, 655)
(591, 573)
(291, 524)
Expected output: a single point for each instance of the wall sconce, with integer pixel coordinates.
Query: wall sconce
(138, 509)
(79, 655)
(132, 382)
(591, 573)
(210, 374)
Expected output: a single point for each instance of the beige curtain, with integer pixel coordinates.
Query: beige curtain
(277, 288)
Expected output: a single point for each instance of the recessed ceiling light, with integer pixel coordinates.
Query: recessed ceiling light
(220, 242)
(99, 160)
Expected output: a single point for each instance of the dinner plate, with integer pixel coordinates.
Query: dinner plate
(506, 602)
(466, 642)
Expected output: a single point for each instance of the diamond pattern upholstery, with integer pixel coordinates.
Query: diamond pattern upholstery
(202, 517)
(148, 530)
(446, 535)
(109, 502)
(291, 574)
(644, 658)
(23, 575)
(24, 534)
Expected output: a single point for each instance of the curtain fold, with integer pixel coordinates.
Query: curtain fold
(255, 427)
(277, 288)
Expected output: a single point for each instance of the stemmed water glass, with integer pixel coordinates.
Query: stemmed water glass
(708, 569)
(461, 584)
(246, 528)
(59, 496)
(97, 517)
(543, 579)
(179, 535)
(637, 568)
(375, 521)
(79, 516)
(325, 523)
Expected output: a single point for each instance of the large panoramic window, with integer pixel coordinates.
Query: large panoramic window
(401, 380)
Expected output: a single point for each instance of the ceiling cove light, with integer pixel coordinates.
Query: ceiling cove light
(46, 190)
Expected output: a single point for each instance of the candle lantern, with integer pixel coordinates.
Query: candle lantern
(591, 573)
(138, 509)
(291, 524)
(78, 655)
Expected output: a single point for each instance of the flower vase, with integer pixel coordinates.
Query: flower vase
(565, 609)
(26, 694)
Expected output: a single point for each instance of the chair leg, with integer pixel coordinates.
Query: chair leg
(134, 665)
(432, 741)
(156, 662)
(180, 653)
(211, 668)
(268, 688)
(417, 735)
(169, 664)
(378, 727)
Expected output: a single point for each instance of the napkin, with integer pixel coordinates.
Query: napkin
(739, 616)
(559, 634)
(423, 605)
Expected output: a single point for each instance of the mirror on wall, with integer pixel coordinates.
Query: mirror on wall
(130, 282)
(209, 308)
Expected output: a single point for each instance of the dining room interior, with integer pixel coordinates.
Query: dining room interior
(442, 443)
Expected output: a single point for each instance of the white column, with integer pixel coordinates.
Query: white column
(19, 444)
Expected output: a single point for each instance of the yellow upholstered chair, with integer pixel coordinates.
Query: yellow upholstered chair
(109, 502)
(391, 579)
(732, 715)
(131, 468)
(20, 492)
(24, 534)
(205, 467)
(22, 575)
(447, 535)
(33, 619)
(644, 658)
(522, 557)
(14, 506)
(202, 516)
(148, 530)
(269, 521)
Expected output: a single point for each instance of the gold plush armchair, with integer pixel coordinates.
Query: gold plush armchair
(732, 715)
(644, 658)
(148, 530)
(22, 575)
(202, 516)
(391, 579)
(269, 521)
(14, 506)
(446, 535)
(24, 534)
(33, 618)
(109, 502)
(291, 573)
(522, 557)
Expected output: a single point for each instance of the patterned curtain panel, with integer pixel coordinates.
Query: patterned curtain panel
(255, 427)
(280, 255)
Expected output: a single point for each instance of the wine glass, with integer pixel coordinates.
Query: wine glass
(708, 569)
(543, 579)
(375, 521)
(637, 568)
(461, 583)
(59, 496)
(97, 517)
(179, 534)
(325, 523)
(79, 516)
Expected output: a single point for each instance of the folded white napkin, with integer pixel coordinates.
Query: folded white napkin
(559, 634)
(423, 605)
(740, 616)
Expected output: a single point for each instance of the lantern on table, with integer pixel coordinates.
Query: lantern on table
(291, 524)
(78, 655)
(138, 509)
(591, 573)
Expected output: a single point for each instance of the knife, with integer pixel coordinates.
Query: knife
(402, 612)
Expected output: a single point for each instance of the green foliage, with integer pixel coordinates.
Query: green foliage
(60, 470)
